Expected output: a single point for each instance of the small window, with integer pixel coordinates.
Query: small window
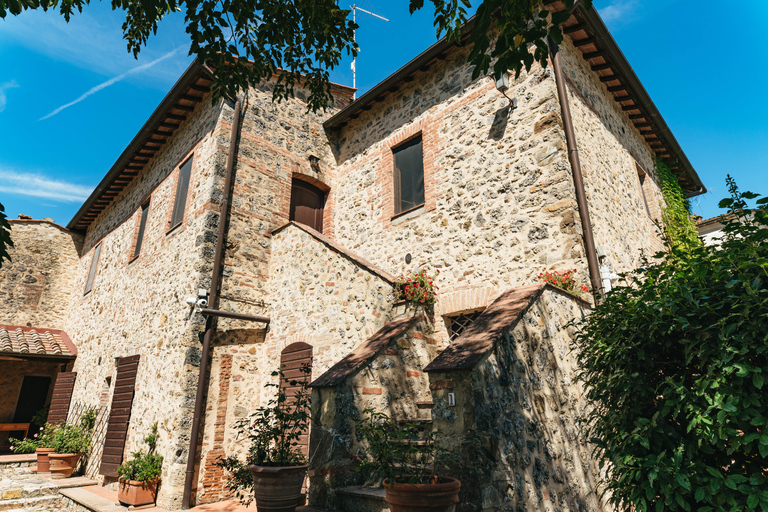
(408, 175)
(142, 227)
(182, 188)
(92, 273)
(642, 176)
(459, 323)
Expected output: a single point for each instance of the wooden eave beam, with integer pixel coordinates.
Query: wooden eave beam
(185, 108)
(583, 42)
(200, 88)
(574, 28)
(593, 55)
(617, 88)
(602, 67)
(176, 117)
(189, 97)
(629, 108)
(620, 99)
(609, 78)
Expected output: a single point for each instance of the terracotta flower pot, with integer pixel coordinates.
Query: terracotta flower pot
(43, 462)
(439, 497)
(277, 488)
(133, 492)
(63, 464)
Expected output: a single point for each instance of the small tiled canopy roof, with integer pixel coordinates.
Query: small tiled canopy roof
(32, 341)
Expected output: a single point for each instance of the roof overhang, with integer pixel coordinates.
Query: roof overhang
(591, 37)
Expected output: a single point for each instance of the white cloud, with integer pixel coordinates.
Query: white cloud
(618, 10)
(111, 81)
(37, 185)
(4, 87)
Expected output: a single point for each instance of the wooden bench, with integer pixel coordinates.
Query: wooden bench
(15, 427)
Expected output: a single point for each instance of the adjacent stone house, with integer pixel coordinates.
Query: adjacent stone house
(297, 259)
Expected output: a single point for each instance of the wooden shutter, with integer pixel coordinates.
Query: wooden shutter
(62, 396)
(94, 265)
(119, 416)
(182, 187)
(294, 357)
(307, 205)
(142, 228)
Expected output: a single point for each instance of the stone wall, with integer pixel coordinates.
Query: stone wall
(319, 294)
(35, 286)
(611, 149)
(500, 205)
(137, 305)
(391, 381)
(515, 422)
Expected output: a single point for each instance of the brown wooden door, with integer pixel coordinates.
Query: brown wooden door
(307, 203)
(293, 358)
(119, 415)
(62, 396)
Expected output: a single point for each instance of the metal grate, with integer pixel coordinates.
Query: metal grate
(457, 324)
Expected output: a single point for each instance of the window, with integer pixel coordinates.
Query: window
(142, 227)
(307, 202)
(459, 323)
(182, 187)
(92, 273)
(408, 175)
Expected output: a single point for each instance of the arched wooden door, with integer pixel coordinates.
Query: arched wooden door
(293, 359)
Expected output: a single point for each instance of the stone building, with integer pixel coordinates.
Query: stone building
(297, 258)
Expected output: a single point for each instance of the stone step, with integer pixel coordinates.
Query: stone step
(418, 421)
(47, 502)
(427, 404)
(361, 499)
(409, 442)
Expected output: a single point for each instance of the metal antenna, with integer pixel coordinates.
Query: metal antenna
(354, 59)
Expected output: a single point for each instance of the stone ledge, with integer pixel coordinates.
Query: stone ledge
(376, 493)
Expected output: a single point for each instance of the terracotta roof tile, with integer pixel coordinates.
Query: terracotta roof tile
(481, 335)
(360, 356)
(35, 341)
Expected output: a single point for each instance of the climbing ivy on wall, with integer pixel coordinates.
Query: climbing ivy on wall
(678, 226)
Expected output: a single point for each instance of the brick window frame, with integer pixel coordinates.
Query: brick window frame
(429, 142)
(285, 199)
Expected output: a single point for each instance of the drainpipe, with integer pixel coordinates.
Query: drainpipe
(213, 299)
(578, 179)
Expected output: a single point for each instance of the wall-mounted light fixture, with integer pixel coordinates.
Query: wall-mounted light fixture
(502, 85)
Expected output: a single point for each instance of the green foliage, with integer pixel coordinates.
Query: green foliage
(676, 368)
(273, 434)
(40, 417)
(5, 229)
(143, 466)
(27, 445)
(678, 226)
(301, 41)
(405, 453)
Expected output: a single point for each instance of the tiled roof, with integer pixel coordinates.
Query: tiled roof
(481, 335)
(35, 341)
(365, 352)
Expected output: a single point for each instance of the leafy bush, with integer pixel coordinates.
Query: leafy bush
(143, 467)
(273, 433)
(396, 453)
(675, 364)
(62, 438)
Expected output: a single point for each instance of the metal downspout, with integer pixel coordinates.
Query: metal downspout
(213, 299)
(578, 179)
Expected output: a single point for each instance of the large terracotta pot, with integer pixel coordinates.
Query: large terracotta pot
(133, 492)
(439, 497)
(277, 488)
(43, 462)
(63, 464)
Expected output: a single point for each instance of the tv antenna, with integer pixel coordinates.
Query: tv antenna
(354, 59)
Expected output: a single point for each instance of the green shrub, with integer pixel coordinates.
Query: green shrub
(675, 366)
(143, 467)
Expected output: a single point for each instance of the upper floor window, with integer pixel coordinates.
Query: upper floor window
(307, 204)
(182, 187)
(408, 175)
(457, 324)
(92, 272)
(142, 228)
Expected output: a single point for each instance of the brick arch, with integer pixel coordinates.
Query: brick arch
(468, 299)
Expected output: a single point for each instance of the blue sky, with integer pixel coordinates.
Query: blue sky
(705, 72)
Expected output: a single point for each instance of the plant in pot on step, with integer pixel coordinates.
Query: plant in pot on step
(139, 475)
(409, 462)
(275, 466)
(69, 443)
(40, 444)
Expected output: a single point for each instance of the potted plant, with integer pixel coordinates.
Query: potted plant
(275, 467)
(69, 442)
(409, 461)
(418, 288)
(138, 477)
